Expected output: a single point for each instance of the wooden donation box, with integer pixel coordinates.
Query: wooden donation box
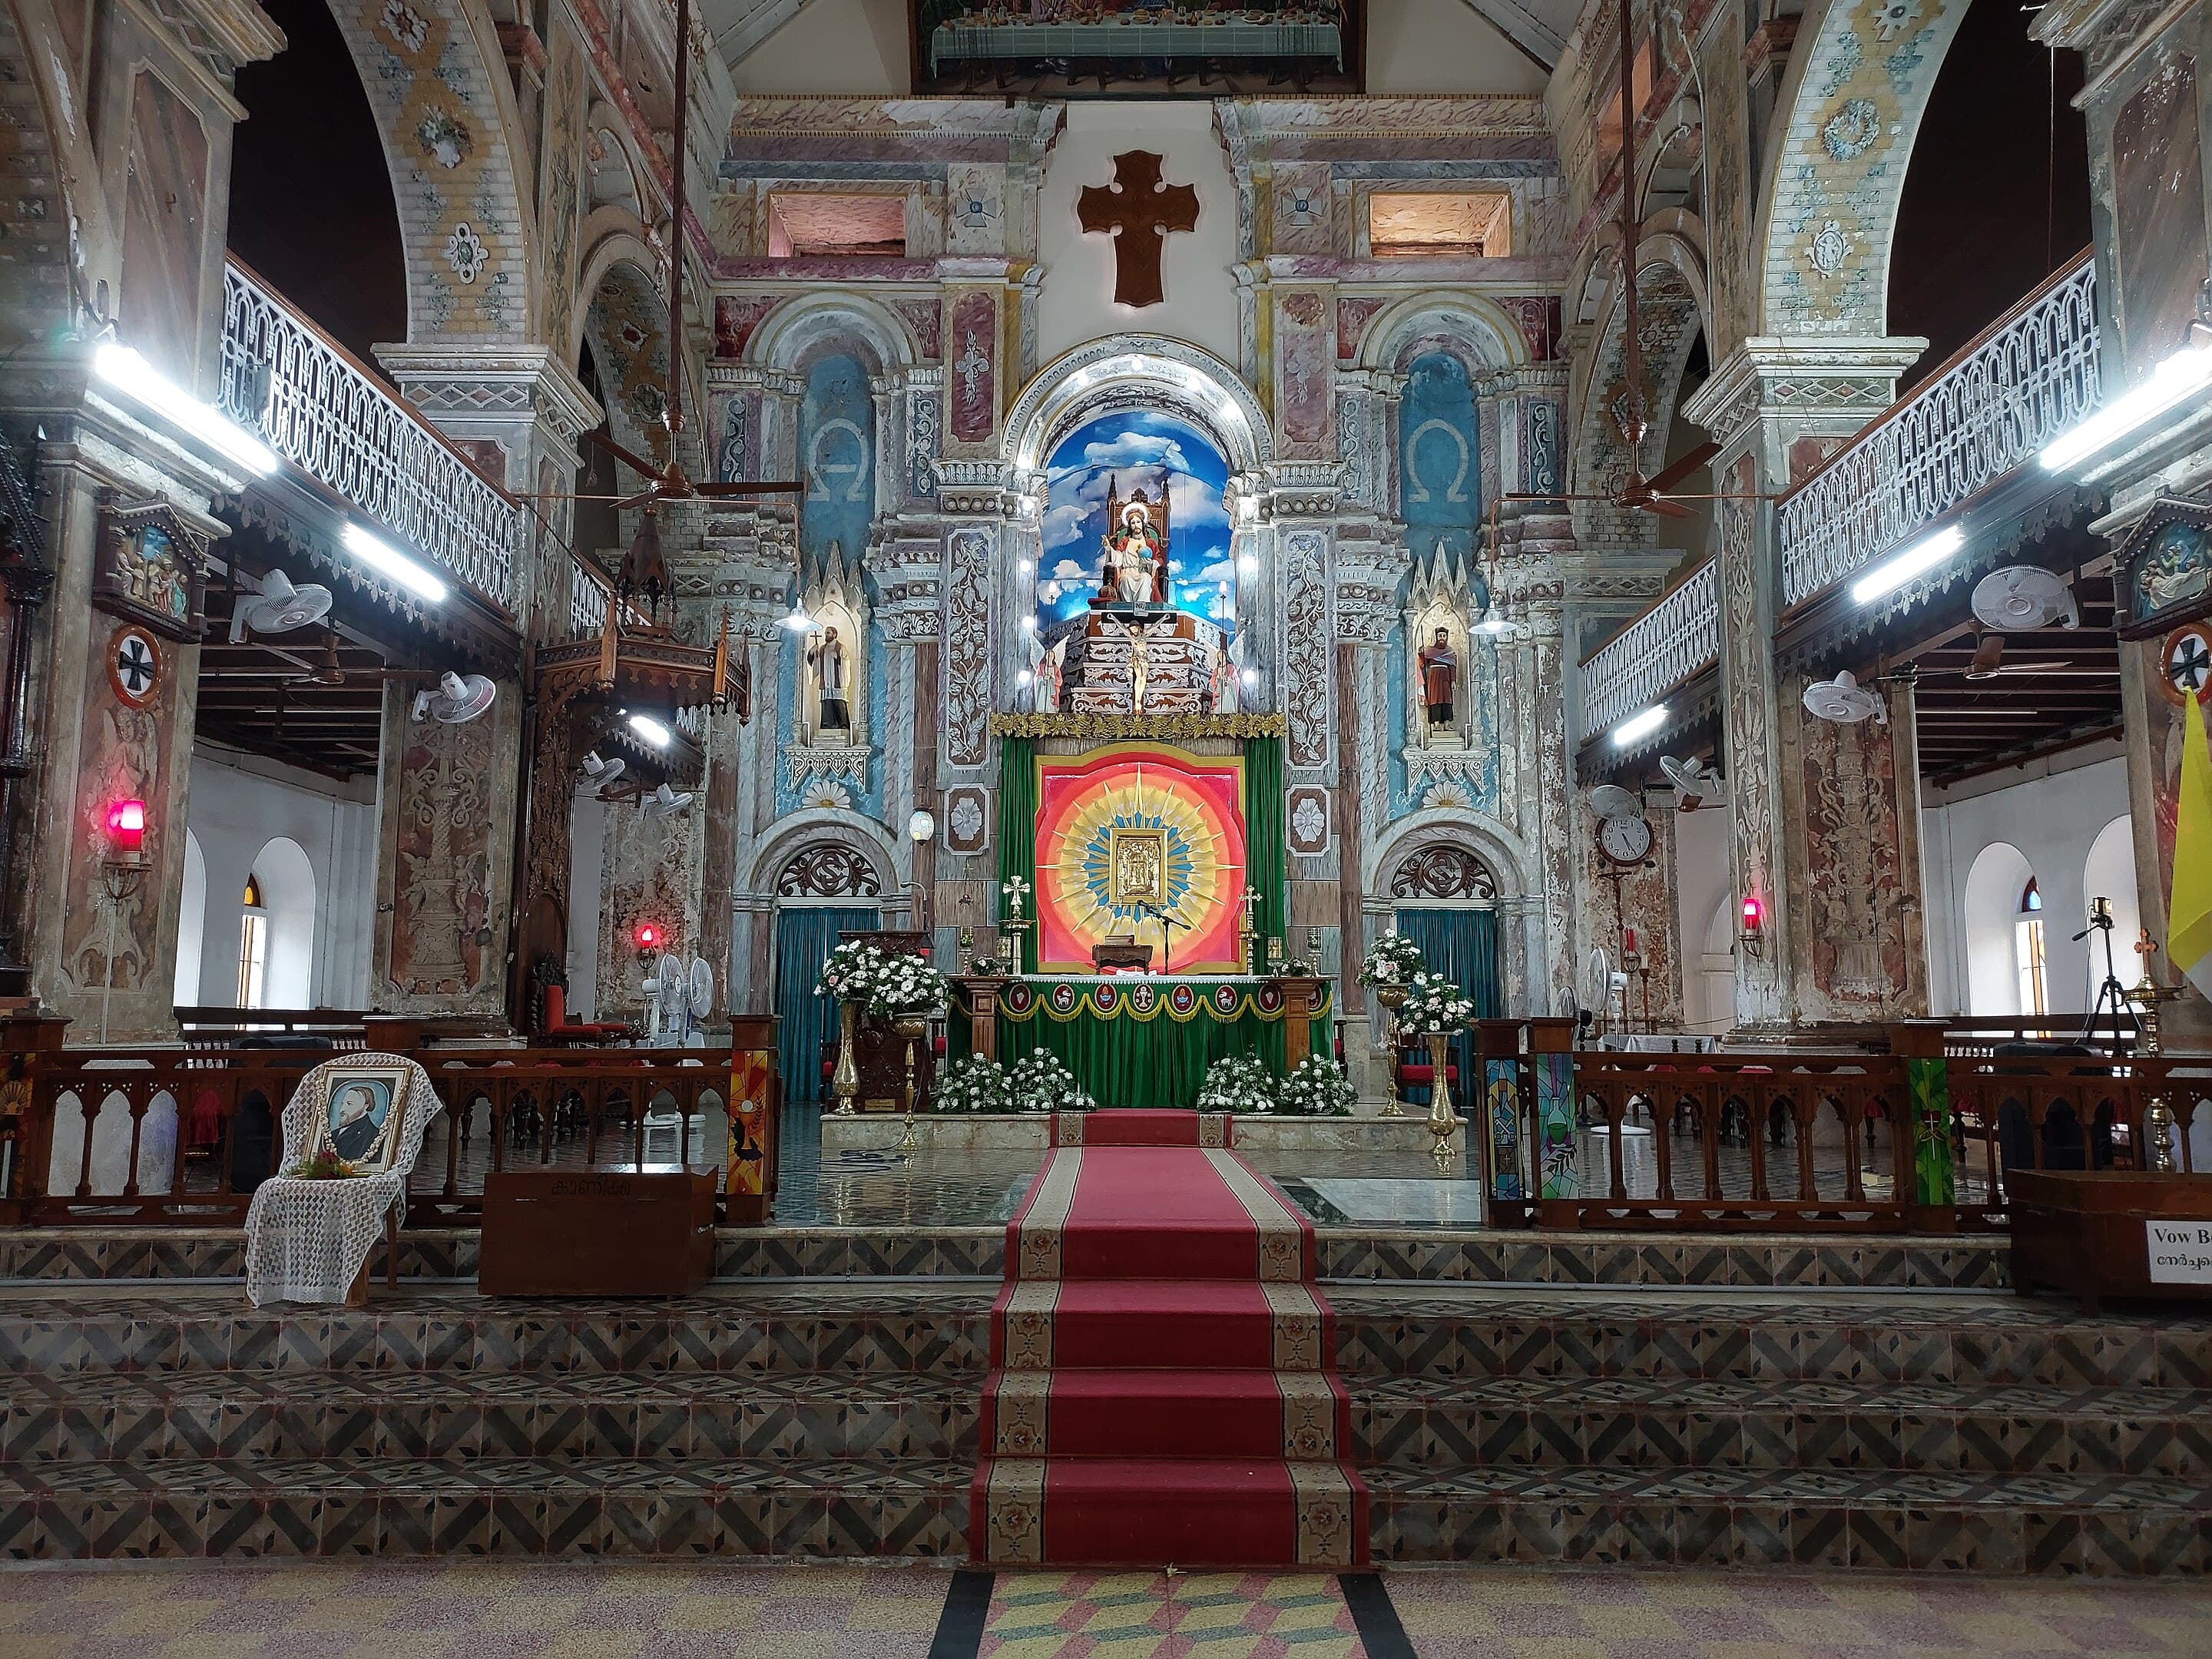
(2112, 1233)
(608, 1232)
(1121, 953)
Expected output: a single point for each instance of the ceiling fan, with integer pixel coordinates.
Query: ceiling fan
(644, 569)
(1655, 495)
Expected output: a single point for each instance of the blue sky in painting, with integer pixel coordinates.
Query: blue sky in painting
(1132, 449)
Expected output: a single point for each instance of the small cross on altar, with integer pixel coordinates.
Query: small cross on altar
(1137, 211)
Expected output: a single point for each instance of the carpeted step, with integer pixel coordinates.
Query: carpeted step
(1164, 1413)
(1132, 1125)
(1156, 1212)
(1179, 1511)
(1193, 1324)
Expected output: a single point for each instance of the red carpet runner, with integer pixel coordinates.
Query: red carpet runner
(1162, 1389)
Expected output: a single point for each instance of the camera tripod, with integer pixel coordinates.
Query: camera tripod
(2112, 991)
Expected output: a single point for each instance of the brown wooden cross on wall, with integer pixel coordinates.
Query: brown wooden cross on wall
(1137, 211)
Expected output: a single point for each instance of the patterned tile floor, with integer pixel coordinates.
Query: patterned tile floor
(740, 1610)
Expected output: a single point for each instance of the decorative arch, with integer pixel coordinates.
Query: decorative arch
(1858, 85)
(1671, 310)
(1482, 838)
(1134, 371)
(1442, 871)
(437, 82)
(1472, 327)
(625, 321)
(825, 826)
(800, 328)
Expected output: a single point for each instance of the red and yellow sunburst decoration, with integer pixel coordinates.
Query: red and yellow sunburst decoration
(1134, 825)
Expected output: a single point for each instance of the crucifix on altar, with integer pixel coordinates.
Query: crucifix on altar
(1138, 211)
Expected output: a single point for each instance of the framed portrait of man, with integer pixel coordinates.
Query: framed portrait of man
(363, 1112)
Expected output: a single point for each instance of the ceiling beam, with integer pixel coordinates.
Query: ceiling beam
(1528, 33)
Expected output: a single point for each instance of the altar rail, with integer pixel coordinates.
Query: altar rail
(2029, 376)
(180, 1135)
(1810, 1142)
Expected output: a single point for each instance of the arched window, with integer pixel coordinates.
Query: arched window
(2028, 950)
(253, 946)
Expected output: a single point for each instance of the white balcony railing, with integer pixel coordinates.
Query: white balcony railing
(2032, 375)
(1676, 639)
(305, 398)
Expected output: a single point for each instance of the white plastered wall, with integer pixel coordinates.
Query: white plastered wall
(1196, 266)
(853, 48)
(2055, 822)
(239, 805)
(1442, 46)
(1701, 887)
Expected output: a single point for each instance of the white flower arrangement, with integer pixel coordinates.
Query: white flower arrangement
(1394, 960)
(1433, 1003)
(1238, 1083)
(1041, 1082)
(973, 1084)
(888, 983)
(1317, 1087)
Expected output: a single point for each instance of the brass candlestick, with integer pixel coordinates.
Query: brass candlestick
(912, 1027)
(1441, 1119)
(2158, 1112)
(1392, 997)
(845, 1081)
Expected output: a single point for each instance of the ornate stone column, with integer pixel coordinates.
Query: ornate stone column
(1778, 408)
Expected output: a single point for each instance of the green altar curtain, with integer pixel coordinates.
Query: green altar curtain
(1264, 835)
(1463, 946)
(1157, 1058)
(1018, 811)
(804, 940)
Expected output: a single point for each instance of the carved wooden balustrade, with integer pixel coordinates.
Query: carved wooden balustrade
(1789, 1143)
(2040, 1112)
(182, 1135)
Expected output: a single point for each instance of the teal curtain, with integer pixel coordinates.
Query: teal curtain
(1463, 946)
(1018, 811)
(1264, 833)
(804, 940)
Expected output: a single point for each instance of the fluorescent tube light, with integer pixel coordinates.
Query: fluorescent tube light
(1922, 556)
(381, 555)
(650, 729)
(2172, 381)
(1639, 726)
(126, 370)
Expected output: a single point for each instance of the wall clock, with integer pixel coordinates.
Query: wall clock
(1625, 840)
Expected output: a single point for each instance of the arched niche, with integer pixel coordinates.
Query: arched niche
(1472, 326)
(1990, 912)
(799, 329)
(864, 841)
(286, 878)
(192, 923)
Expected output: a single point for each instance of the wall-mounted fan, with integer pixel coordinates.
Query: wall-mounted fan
(665, 803)
(2021, 596)
(1694, 781)
(457, 699)
(1610, 800)
(599, 773)
(1845, 702)
(277, 607)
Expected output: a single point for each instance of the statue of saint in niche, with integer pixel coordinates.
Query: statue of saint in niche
(1134, 570)
(1439, 679)
(825, 661)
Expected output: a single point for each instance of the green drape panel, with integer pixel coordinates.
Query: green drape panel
(1017, 811)
(1463, 946)
(1157, 1063)
(1264, 835)
(804, 940)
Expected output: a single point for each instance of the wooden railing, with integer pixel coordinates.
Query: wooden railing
(1798, 1133)
(1978, 1036)
(128, 1136)
(2018, 1112)
(218, 1027)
